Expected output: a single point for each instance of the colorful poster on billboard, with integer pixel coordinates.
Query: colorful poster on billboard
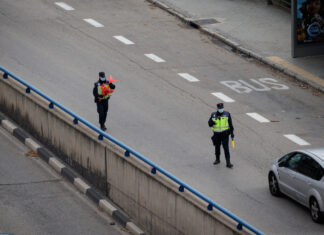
(310, 21)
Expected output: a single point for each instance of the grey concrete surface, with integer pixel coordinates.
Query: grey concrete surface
(264, 29)
(157, 112)
(35, 200)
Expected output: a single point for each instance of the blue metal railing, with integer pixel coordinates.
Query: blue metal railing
(128, 150)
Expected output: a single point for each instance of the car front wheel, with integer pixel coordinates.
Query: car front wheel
(315, 211)
(273, 185)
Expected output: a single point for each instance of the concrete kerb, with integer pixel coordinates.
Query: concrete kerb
(69, 174)
(237, 46)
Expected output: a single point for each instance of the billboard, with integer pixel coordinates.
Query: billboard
(307, 27)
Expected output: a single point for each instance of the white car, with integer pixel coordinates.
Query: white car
(299, 175)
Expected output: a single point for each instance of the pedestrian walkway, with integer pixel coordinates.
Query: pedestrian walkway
(261, 30)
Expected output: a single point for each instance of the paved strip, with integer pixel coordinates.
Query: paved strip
(297, 70)
(71, 176)
(124, 40)
(64, 6)
(155, 58)
(223, 97)
(94, 23)
(296, 139)
(258, 117)
(188, 77)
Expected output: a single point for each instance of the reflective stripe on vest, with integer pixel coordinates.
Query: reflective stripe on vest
(221, 124)
(105, 91)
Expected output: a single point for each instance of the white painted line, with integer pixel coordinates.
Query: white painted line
(155, 58)
(124, 40)
(107, 206)
(56, 164)
(32, 144)
(188, 77)
(296, 139)
(223, 97)
(258, 117)
(94, 23)
(81, 185)
(9, 126)
(64, 6)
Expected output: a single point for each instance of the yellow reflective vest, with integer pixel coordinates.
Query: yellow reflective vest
(220, 123)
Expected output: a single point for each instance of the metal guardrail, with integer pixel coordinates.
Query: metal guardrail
(128, 150)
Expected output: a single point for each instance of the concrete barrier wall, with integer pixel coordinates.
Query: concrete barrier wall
(153, 201)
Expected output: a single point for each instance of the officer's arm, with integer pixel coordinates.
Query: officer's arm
(210, 121)
(230, 123)
(95, 91)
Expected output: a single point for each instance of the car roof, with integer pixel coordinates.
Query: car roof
(315, 152)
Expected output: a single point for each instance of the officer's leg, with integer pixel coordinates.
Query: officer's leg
(105, 111)
(100, 110)
(225, 139)
(217, 148)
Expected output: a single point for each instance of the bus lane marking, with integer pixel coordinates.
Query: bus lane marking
(258, 117)
(296, 139)
(64, 6)
(94, 23)
(260, 84)
(155, 58)
(188, 77)
(223, 97)
(124, 40)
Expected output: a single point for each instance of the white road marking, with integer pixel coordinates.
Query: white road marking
(223, 97)
(64, 6)
(188, 77)
(155, 58)
(296, 139)
(124, 40)
(257, 117)
(260, 84)
(94, 23)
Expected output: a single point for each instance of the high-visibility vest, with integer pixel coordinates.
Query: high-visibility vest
(105, 90)
(221, 123)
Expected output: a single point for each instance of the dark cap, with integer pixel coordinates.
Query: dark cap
(220, 105)
(102, 74)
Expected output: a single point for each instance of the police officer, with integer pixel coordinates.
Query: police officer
(222, 126)
(102, 91)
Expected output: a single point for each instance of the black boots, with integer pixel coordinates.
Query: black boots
(229, 165)
(103, 127)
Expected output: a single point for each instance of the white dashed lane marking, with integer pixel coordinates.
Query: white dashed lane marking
(94, 23)
(124, 40)
(155, 58)
(64, 6)
(296, 139)
(188, 77)
(258, 117)
(223, 97)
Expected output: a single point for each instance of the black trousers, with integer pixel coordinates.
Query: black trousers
(102, 109)
(221, 139)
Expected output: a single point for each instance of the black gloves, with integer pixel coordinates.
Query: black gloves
(232, 136)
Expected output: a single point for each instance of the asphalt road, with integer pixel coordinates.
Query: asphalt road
(159, 113)
(34, 199)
